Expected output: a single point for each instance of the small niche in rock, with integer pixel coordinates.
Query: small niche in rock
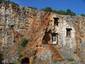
(25, 61)
(56, 21)
(68, 32)
(1, 58)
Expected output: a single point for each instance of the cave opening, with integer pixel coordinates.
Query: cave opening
(68, 32)
(56, 21)
(25, 61)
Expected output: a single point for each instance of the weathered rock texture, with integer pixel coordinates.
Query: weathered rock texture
(49, 35)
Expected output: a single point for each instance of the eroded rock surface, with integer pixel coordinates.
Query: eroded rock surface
(47, 36)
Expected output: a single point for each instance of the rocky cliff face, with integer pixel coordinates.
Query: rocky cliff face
(26, 32)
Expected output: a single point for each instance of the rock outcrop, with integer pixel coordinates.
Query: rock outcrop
(48, 34)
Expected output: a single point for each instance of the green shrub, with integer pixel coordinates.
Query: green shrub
(69, 12)
(24, 42)
(2, 1)
(47, 9)
(82, 15)
(63, 12)
(60, 12)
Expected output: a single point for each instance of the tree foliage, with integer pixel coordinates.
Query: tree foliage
(63, 12)
(47, 9)
(9, 1)
(69, 12)
(2, 1)
(82, 15)
(60, 12)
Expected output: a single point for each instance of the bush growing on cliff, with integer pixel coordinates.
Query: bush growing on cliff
(33, 8)
(24, 42)
(60, 12)
(8, 1)
(2, 1)
(82, 15)
(69, 12)
(63, 12)
(48, 9)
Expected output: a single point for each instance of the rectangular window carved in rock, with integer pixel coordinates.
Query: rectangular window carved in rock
(56, 21)
(68, 32)
(54, 38)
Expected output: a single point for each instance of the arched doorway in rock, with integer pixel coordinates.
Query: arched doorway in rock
(25, 60)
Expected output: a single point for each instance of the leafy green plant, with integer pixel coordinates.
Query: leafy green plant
(24, 42)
